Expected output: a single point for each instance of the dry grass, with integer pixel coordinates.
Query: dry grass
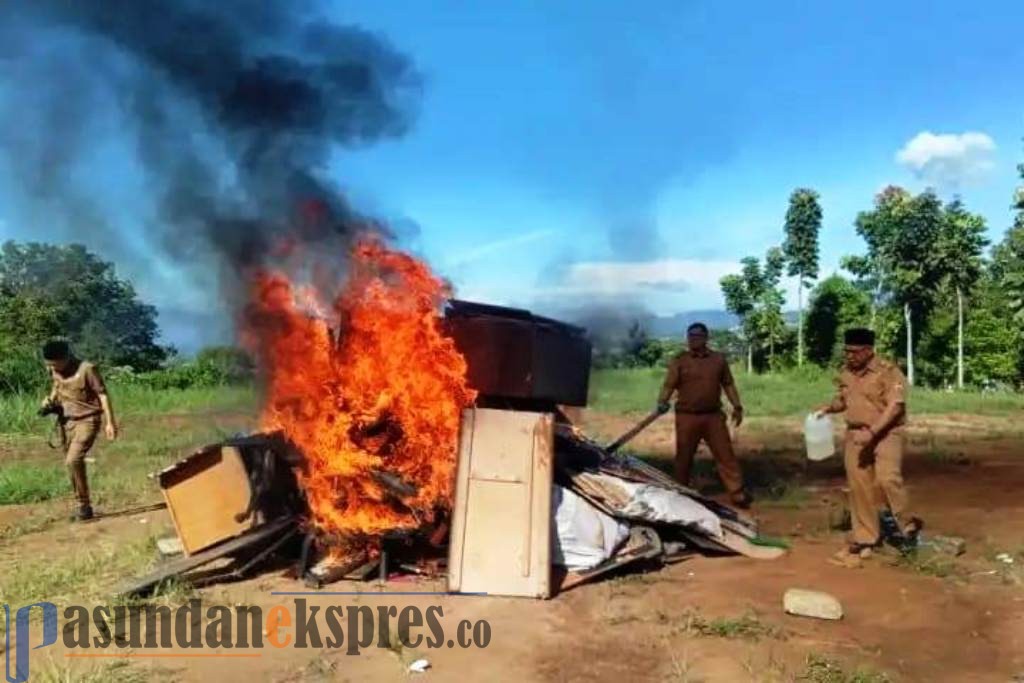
(86, 574)
(824, 670)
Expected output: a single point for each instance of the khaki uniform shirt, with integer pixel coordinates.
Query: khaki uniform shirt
(79, 393)
(866, 394)
(698, 380)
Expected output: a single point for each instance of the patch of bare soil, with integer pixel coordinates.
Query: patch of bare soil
(709, 619)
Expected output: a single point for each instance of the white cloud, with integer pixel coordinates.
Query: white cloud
(948, 159)
(613, 278)
(662, 287)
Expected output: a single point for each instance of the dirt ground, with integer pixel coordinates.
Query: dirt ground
(704, 619)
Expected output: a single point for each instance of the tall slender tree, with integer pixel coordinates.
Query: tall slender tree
(902, 232)
(803, 223)
(961, 243)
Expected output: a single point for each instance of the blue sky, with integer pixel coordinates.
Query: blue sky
(583, 153)
(556, 144)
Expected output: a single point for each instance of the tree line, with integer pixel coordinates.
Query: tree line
(52, 291)
(948, 309)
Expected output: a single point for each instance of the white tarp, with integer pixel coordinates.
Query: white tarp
(655, 504)
(582, 536)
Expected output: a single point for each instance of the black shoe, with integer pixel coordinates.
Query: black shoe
(742, 500)
(912, 536)
(890, 530)
(84, 514)
(889, 527)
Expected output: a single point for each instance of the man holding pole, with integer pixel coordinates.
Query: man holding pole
(697, 377)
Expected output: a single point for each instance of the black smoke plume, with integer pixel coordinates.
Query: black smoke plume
(233, 110)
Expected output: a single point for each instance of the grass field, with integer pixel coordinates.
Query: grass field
(784, 394)
(18, 411)
(45, 558)
(157, 427)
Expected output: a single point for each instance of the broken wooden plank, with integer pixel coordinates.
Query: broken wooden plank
(643, 544)
(238, 570)
(264, 534)
(331, 570)
(394, 483)
(731, 542)
(578, 453)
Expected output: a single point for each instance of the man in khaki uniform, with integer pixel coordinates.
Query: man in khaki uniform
(82, 397)
(697, 377)
(872, 392)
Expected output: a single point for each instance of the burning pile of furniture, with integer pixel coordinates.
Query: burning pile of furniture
(531, 492)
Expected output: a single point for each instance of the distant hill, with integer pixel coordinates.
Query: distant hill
(609, 326)
(675, 325)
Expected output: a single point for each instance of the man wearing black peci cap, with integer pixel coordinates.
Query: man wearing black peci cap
(872, 392)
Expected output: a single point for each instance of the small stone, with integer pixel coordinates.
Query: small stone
(169, 547)
(419, 666)
(808, 603)
(954, 546)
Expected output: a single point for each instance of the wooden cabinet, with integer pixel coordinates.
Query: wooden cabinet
(501, 518)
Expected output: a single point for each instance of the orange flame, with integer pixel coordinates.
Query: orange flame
(383, 395)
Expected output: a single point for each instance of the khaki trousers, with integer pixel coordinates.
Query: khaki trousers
(711, 428)
(875, 482)
(81, 435)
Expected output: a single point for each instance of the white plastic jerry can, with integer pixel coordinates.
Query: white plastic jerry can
(819, 437)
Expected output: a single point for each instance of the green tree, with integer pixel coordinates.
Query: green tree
(1001, 345)
(728, 342)
(803, 223)
(48, 291)
(868, 272)
(741, 292)
(902, 233)
(960, 246)
(994, 350)
(1008, 257)
(935, 352)
(770, 321)
(755, 297)
(1007, 269)
(835, 304)
(1018, 199)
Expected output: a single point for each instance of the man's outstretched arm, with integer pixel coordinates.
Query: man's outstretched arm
(668, 387)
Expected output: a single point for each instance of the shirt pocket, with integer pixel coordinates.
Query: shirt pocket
(877, 391)
(684, 372)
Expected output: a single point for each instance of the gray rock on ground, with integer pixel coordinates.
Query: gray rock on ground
(169, 547)
(815, 604)
(953, 546)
